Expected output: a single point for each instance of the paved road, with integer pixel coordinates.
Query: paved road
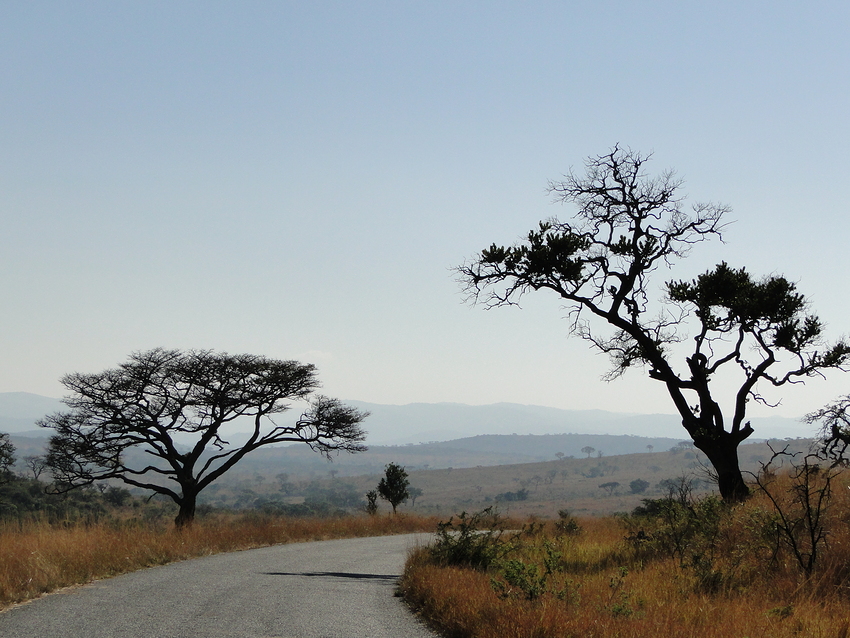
(328, 589)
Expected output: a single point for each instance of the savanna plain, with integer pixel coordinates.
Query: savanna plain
(531, 550)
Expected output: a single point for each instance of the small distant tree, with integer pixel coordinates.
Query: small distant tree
(117, 496)
(371, 502)
(649, 448)
(638, 486)
(559, 456)
(393, 487)
(416, 492)
(283, 483)
(588, 450)
(35, 464)
(161, 394)
(7, 458)
(610, 487)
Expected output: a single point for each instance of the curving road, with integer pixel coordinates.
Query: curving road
(327, 589)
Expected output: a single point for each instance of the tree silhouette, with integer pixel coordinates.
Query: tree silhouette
(158, 395)
(414, 493)
(628, 225)
(610, 487)
(393, 486)
(638, 486)
(7, 458)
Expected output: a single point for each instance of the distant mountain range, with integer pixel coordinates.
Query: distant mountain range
(20, 410)
(432, 422)
(428, 422)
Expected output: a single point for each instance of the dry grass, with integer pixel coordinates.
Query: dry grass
(38, 558)
(604, 586)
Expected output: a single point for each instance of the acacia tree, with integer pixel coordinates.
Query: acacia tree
(627, 226)
(393, 486)
(158, 395)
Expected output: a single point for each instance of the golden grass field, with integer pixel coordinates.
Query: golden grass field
(741, 580)
(735, 582)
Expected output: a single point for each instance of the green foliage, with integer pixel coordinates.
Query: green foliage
(532, 565)
(7, 458)
(638, 486)
(393, 486)
(728, 299)
(685, 528)
(337, 494)
(567, 524)
(474, 540)
(594, 472)
(516, 576)
(117, 496)
(28, 499)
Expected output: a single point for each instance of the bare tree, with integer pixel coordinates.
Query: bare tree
(145, 402)
(36, 464)
(835, 428)
(628, 225)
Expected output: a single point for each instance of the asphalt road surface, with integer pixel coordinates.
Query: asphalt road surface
(328, 589)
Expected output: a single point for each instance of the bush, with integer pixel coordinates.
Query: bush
(474, 540)
(567, 524)
(687, 529)
(638, 486)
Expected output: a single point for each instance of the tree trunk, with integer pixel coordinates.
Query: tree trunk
(186, 515)
(722, 453)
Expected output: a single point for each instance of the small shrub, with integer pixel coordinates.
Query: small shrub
(475, 540)
(687, 529)
(638, 486)
(567, 524)
(372, 502)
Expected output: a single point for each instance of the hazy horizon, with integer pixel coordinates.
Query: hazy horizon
(424, 422)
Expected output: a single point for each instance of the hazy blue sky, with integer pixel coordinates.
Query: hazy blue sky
(298, 179)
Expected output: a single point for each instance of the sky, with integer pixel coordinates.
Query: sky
(298, 179)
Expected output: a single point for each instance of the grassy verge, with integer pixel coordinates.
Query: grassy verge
(37, 558)
(682, 568)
